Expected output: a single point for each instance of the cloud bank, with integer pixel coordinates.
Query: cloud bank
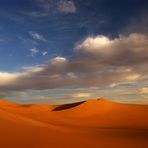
(99, 61)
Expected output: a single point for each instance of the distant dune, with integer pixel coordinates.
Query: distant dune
(96, 123)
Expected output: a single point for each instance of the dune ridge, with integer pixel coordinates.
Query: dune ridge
(91, 123)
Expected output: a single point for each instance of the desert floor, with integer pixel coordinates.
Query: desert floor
(96, 123)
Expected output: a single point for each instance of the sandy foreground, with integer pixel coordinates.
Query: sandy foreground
(96, 123)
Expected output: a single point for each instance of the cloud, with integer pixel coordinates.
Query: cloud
(44, 53)
(66, 6)
(125, 50)
(95, 45)
(80, 95)
(58, 61)
(37, 36)
(144, 90)
(7, 78)
(33, 51)
(49, 7)
(99, 61)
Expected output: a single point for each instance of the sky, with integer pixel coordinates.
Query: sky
(60, 51)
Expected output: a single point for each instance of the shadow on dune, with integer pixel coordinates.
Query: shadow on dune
(67, 106)
(26, 105)
(2, 108)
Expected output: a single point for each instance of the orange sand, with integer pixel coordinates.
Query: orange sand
(90, 124)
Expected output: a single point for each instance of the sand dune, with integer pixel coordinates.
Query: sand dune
(90, 124)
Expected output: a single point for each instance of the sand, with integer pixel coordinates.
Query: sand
(96, 123)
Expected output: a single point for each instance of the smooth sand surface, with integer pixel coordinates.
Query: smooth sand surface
(96, 123)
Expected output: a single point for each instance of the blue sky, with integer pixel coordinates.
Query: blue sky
(55, 51)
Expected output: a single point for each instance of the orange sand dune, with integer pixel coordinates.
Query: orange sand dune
(89, 124)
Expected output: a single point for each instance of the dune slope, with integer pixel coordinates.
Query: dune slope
(89, 124)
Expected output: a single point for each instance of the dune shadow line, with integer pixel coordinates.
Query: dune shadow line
(67, 106)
